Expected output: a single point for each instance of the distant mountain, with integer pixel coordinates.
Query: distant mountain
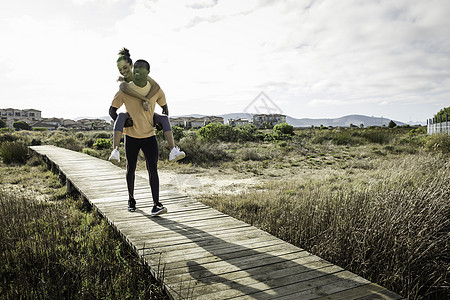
(304, 122)
(342, 121)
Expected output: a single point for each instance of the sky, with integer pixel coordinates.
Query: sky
(310, 59)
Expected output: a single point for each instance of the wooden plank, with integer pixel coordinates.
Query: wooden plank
(365, 292)
(204, 253)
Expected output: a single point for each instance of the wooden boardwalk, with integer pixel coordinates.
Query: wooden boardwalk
(199, 252)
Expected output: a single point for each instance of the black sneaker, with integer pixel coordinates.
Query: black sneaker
(158, 209)
(131, 205)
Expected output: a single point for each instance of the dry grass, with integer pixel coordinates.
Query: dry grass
(374, 201)
(53, 249)
(388, 223)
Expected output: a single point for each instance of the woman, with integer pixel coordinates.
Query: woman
(124, 64)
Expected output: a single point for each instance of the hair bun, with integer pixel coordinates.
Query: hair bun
(124, 52)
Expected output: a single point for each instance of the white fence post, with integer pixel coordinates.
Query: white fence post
(442, 127)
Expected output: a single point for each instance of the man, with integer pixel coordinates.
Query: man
(142, 134)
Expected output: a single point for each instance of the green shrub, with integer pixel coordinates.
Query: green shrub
(68, 142)
(283, 128)
(80, 135)
(392, 124)
(178, 133)
(215, 132)
(201, 152)
(418, 130)
(6, 129)
(21, 125)
(376, 136)
(40, 129)
(13, 152)
(102, 143)
(89, 142)
(247, 154)
(101, 135)
(439, 142)
(91, 152)
(7, 138)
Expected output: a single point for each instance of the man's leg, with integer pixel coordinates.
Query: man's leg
(150, 149)
(132, 147)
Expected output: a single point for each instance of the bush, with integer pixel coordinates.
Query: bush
(376, 136)
(91, 152)
(6, 129)
(7, 138)
(442, 114)
(392, 124)
(102, 144)
(178, 133)
(68, 142)
(439, 142)
(214, 132)
(40, 129)
(89, 142)
(201, 153)
(248, 133)
(13, 152)
(283, 128)
(21, 125)
(418, 131)
(101, 135)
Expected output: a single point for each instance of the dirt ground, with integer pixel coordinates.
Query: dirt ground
(200, 182)
(204, 181)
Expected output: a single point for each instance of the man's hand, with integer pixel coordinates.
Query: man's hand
(146, 105)
(158, 126)
(165, 110)
(128, 122)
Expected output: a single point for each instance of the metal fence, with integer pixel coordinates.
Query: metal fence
(438, 126)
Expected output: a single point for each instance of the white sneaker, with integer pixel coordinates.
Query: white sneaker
(115, 155)
(176, 154)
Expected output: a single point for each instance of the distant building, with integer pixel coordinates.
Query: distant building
(213, 119)
(192, 122)
(178, 121)
(237, 122)
(93, 124)
(268, 121)
(11, 115)
(43, 124)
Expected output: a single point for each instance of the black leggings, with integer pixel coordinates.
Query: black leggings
(150, 148)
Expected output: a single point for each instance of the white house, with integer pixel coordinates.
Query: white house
(11, 115)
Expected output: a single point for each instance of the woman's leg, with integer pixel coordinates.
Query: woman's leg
(167, 129)
(119, 124)
(132, 147)
(150, 149)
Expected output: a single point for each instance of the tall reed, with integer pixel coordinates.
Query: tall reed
(389, 225)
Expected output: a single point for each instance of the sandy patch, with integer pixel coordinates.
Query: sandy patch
(203, 183)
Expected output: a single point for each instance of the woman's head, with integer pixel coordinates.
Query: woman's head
(124, 63)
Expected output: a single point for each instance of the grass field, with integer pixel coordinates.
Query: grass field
(374, 201)
(53, 247)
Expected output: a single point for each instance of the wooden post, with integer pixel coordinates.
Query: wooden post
(62, 178)
(69, 186)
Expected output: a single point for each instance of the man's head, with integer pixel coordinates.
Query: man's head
(143, 63)
(141, 69)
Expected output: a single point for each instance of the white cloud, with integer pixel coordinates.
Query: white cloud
(214, 57)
